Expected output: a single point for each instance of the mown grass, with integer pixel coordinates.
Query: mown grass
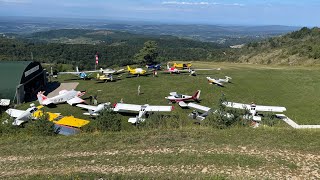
(295, 88)
(187, 148)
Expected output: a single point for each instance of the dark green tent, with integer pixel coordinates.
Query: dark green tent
(20, 80)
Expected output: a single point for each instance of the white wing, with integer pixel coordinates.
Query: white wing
(75, 100)
(121, 107)
(198, 107)
(14, 112)
(258, 107)
(237, 105)
(76, 73)
(159, 108)
(84, 106)
(270, 108)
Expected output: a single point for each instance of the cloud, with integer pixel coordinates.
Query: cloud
(203, 3)
(14, 1)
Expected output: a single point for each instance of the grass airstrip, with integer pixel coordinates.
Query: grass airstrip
(191, 151)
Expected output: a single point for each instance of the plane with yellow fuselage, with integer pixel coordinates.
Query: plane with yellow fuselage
(136, 71)
(182, 65)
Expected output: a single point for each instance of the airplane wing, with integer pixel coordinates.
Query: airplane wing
(75, 100)
(198, 107)
(270, 108)
(258, 107)
(84, 106)
(14, 112)
(121, 107)
(76, 73)
(237, 105)
(217, 83)
(159, 108)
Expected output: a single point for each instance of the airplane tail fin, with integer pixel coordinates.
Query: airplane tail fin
(77, 68)
(129, 69)
(168, 67)
(196, 96)
(41, 97)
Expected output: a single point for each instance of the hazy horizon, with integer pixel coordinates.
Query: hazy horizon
(220, 12)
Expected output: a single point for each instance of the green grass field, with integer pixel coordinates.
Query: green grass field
(293, 87)
(190, 151)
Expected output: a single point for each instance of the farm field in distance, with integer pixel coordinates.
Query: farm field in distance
(191, 151)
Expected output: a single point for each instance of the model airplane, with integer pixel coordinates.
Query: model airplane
(143, 110)
(136, 71)
(105, 77)
(201, 112)
(71, 97)
(111, 71)
(154, 66)
(65, 125)
(94, 110)
(22, 116)
(82, 75)
(181, 98)
(219, 82)
(253, 109)
(181, 65)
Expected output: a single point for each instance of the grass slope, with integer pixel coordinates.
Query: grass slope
(191, 151)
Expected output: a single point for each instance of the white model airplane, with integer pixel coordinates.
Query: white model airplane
(219, 82)
(111, 71)
(22, 116)
(200, 112)
(141, 109)
(81, 74)
(254, 108)
(181, 98)
(94, 110)
(71, 97)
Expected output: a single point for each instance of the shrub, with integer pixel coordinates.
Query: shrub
(106, 121)
(223, 118)
(41, 127)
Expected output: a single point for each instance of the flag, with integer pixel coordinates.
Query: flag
(97, 59)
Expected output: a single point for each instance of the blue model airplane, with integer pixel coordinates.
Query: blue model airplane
(154, 66)
(82, 75)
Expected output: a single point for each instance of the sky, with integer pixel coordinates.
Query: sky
(235, 12)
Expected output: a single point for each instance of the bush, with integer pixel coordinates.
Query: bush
(223, 118)
(41, 127)
(106, 121)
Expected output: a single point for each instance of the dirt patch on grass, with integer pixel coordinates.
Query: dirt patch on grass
(289, 164)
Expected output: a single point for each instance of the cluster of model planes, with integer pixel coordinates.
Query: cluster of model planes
(108, 74)
(69, 124)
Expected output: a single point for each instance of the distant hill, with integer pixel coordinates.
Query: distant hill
(298, 47)
(79, 46)
(223, 34)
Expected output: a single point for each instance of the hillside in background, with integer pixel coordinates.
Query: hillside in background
(78, 46)
(298, 47)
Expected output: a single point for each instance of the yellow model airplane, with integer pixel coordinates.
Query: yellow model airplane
(182, 65)
(104, 77)
(62, 120)
(136, 71)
